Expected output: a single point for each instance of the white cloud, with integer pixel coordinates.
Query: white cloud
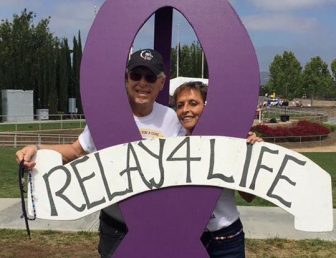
(285, 23)
(70, 17)
(7, 3)
(287, 5)
(10, 7)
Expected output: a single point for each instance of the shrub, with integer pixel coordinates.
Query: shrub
(301, 128)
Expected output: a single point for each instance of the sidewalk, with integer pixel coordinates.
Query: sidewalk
(10, 212)
(259, 222)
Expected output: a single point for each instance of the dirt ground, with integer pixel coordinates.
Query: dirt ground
(325, 145)
(316, 149)
(53, 244)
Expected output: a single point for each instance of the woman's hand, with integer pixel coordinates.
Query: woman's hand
(252, 138)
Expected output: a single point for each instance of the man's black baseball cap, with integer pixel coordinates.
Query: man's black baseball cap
(148, 58)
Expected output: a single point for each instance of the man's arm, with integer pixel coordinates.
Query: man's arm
(69, 152)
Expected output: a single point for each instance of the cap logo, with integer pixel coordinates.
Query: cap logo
(147, 55)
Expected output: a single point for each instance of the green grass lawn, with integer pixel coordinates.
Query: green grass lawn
(9, 186)
(8, 173)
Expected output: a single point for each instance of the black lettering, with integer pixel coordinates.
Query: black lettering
(159, 157)
(246, 165)
(81, 181)
(102, 172)
(129, 169)
(281, 176)
(59, 193)
(187, 158)
(211, 173)
(261, 166)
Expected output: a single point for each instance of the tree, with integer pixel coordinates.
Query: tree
(64, 82)
(32, 58)
(52, 89)
(21, 45)
(285, 76)
(333, 71)
(317, 81)
(190, 61)
(76, 60)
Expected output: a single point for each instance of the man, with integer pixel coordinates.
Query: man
(145, 78)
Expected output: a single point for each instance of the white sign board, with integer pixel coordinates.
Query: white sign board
(93, 182)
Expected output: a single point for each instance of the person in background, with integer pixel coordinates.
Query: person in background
(224, 235)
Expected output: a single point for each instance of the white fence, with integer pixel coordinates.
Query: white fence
(22, 139)
(311, 114)
(50, 117)
(44, 124)
(298, 139)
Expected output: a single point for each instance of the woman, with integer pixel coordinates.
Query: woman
(224, 235)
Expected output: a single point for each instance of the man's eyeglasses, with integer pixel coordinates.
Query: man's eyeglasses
(136, 76)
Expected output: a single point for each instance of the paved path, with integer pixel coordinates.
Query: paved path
(259, 222)
(318, 148)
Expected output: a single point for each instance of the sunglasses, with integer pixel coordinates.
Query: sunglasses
(136, 76)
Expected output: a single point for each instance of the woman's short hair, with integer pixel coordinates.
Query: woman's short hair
(192, 85)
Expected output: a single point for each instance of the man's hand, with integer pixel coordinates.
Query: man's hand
(26, 154)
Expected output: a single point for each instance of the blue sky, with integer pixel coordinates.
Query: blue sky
(306, 27)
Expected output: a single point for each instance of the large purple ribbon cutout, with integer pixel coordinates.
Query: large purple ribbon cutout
(168, 222)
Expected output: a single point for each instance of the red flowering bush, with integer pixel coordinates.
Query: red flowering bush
(301, 128)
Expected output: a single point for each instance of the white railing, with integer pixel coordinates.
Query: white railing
(298, 139)
(25, 118)
(22, 139)
(315, 115)
(43, 124)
